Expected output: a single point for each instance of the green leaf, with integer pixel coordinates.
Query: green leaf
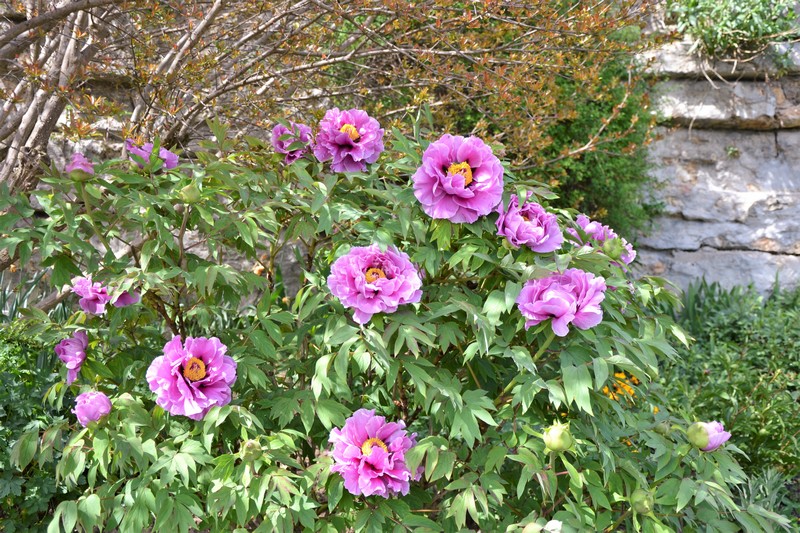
(89, 511)
(64, 270)
(69, 515)
(685, 493)
(331, 413)
(24, 449)
(577, 384)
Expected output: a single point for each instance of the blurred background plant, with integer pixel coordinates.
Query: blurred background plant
(735, 29)
(554, 82)
(743, 370)
(27, 497)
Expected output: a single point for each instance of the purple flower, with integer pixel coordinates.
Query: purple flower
(72, 352)
(460, 179)
(91, 406)
(79, 168)
(603, 236)
(127, 298)
(351, 138)
(530, 225)
(146, 151)
(94, 296)
(190, 379)
(369, 453)
(371, 281)
(573, 297)
(708, 436)
(283, 137)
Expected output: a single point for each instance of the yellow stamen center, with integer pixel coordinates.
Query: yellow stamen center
(463, 169)
(366, 448)
(374, 274)
(194, 369)
(351, 132)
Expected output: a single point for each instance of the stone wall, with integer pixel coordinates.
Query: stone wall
(728, 162)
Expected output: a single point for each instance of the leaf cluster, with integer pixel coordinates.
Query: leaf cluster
(743, 370)
(735, 29)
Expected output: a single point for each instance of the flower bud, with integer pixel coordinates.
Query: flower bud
(613, 248)
(663, 427)
(250, 451)
(190, 194)
(79, 168)
(642, 501)
(557, 437)
(707, 436)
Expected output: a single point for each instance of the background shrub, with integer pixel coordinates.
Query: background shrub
(549, 80)
(27, 497)
(735, 29)
(743, 370)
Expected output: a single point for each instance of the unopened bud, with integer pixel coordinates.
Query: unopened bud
(663, 427)
(557, 438)
(613, 248)
(642, 501)
(250, 451)
(190, 194)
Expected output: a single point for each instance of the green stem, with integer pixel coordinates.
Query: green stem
(535, 358)
(88, 205)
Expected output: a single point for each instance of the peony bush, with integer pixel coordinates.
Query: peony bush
(445, 364)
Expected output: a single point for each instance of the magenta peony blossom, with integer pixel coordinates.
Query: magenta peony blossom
(460, 179)
(91, 407)
(573, 297)
(530, 225)
(371, 281)
(369, 453)
(127, 298)
(190, 379)
(72, 352)
(600, 234)
(708, 436)
(351, 138)
(146, 150)
(79, 168)
(94, 296)
(283, 137)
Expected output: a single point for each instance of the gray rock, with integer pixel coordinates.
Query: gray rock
(678, 60)
(728, 172)
(730, 268)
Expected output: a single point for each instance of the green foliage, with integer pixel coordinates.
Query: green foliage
(28, 494)
(735, 28)
(609, 181)
(742, 370)
(459, 367)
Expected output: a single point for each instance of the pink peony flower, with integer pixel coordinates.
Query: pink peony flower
(146, 151)
(79, 168)
(283, 138)
(91, 407)
(369, 453)
(127, 298)
(708, 436)
(573, 297)
(94, 296)
(72, 352)
(600, 233)
(530, 225)
(460, 179)
(371, 281)
(351, 138)
(190, 379)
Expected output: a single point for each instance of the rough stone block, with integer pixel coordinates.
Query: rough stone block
(677, 60)
(729, 268)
